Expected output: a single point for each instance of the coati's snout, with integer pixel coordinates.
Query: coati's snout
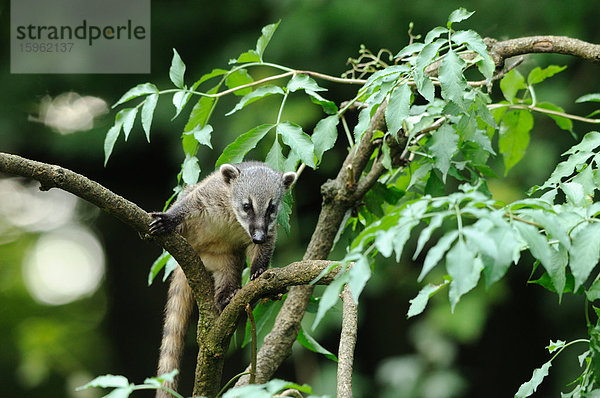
(259, 237)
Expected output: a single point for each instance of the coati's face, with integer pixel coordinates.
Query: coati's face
(256, 194)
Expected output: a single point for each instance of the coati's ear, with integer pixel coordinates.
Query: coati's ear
(288, 179)
(229, 172)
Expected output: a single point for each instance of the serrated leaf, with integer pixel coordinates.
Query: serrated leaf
(255, 95)
(266, 36)
(464, 269)
(239, 78)
(410, 49)
(434, 34)
(325, 135)
(452, 80)
(584, 253)
(508, 247)
(514, 136)
(418, 304)
(458, 15)
(308, 342)
(148, 113)
(303, 82)
(177, 70)
(235, 152)
(511, 83)
(398, 108)
(330, 297)
(538, 75)
(137, 91)
(435, 223)
(360, 274)
(364, 120)
(436, 253)
(275, 157)
(444, 144)
(299, 142)
(474, 42)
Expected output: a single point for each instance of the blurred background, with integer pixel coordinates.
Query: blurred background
(74, 299)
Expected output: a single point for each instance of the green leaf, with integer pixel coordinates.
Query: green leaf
(553, 261)
(239, 78)
(137, 91)
(538, 75)
(398, 108)
(275, 157)
(267, 34)
(418, 304)
(325, 135)
(202, 135)
(235, 152)
(562, 122)
(106, 381)
(425, 57)
(458, 15)
(511, 83)
(148, 113)
(329, 107)
(360, 274)
(128, 117)
(308, 342)
(303, 82)
(177, 70)
(190, 170)
(514, 136)
(435, 223)
(364, 120)
(555, 345)
(180, 99)
(299, 142)
(248, 56)
(593, 293)
(454, 85)
(531, 386)
(111, 137)
(589, 98)
(434, 34)
(584, 253)
(444, 144)
(255, 95)
(436, 253)
(474, 42)
(214, 73)
(158, 265)
(283, 218)
(509, 248)
(410, 49)
(464, 268)
(330, 297)
(201, 111)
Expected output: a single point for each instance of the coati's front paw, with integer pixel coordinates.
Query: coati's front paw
(223, 298)
(163, 223)
(255, 273)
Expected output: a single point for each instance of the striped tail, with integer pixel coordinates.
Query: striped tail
(177, 314)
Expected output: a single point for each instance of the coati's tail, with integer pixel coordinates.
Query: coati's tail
(177, 313)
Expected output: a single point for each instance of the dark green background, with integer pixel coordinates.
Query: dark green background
(489, 347)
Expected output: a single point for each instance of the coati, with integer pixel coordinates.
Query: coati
(228, 215)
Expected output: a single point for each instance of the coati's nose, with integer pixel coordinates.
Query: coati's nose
(259, 237)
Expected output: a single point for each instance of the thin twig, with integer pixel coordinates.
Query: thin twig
(347, 344)
(253, 343)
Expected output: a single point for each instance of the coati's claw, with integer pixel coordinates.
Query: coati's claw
(257, 273)
(161, 223)
(223, 299)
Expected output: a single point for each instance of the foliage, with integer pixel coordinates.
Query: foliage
(442, 130)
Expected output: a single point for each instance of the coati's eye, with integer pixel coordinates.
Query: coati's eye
(246, 207)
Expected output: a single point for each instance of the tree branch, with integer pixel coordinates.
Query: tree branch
(347, 344)
(501, 50)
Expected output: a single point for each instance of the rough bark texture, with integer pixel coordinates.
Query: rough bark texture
(347, 344)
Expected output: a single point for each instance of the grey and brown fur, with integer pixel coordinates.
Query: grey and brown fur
(229, 215)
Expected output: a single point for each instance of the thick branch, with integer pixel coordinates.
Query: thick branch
(500, 50)
(347, 344)
(52, 176)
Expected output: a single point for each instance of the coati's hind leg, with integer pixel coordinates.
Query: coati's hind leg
(228, 279)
